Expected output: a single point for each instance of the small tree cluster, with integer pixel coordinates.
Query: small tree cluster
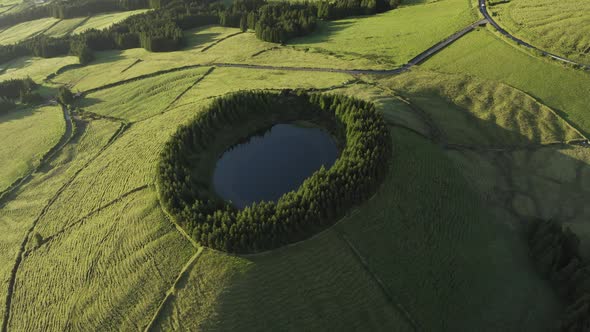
(18, 90)
(556, 253)
(65, 96)
(319, 202)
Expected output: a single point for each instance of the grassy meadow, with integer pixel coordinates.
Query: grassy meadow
(26, 30)
(33, 67)
(561, 27)
(103, 21)
(488, 57)
(392, 38)
(31, 133)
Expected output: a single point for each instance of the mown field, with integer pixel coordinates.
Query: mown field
(27, 136)
(487, 56)
(26, 30)
(561, 27)
(480, 136)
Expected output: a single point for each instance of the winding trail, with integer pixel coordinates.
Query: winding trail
(484, 11)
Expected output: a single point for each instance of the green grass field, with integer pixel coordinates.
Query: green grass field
(480, 138)
(392, 38)
(65, 27)
(486, 56)
(561, 27)
(31, 133)
(26, 30)
(33, 67)
(103, 21)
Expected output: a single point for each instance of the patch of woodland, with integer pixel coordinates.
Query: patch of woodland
(318, 203)
(15, 91)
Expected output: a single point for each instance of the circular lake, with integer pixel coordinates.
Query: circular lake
(270, 165)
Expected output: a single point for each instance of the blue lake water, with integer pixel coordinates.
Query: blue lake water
(268, 166)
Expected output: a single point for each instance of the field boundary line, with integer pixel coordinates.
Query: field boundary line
(202, 77)
(91, 214)
(554, 112)
(170, 294)
(220, 40)
(22, 252)
(173, 221)
(137, 61)
(379, 282)
(81, 23)
(42, 32)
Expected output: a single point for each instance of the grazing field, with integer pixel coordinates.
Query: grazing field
(560, 27)
(144, 98)
(489, 57)
(390, 38)
(549, 183)
(33, 67)
(132, 243)
(473, 112)
(26, 136)
(103, 21)
(20, 211)
(65, 27)
(26, 30)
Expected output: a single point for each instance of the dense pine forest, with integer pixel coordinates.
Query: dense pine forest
(161, 29)
(319, 202)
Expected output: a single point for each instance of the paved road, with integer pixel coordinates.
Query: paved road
(484, 11)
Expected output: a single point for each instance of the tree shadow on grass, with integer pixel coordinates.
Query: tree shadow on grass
(323, 32)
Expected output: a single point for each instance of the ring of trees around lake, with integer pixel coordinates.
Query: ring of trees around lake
(185, 169)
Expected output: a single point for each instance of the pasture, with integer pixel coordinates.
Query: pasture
(32, 133)
(561, 27)
(26, 30)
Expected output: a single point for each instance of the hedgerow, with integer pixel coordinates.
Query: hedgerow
(321, 200)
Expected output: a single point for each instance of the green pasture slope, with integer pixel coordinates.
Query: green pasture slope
(480, 138)
(26, 30)
(26, 136)
(561, 27)
(392, 38)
